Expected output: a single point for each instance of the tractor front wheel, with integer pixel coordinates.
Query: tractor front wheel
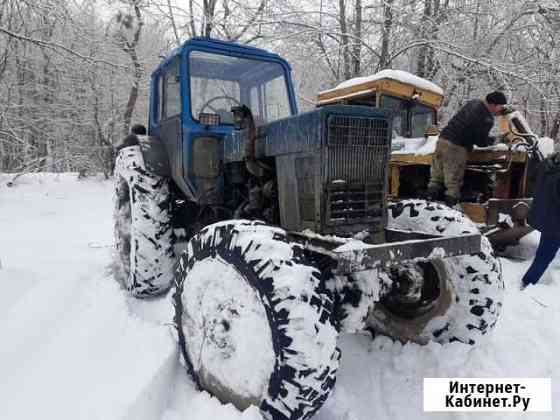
(254, 320)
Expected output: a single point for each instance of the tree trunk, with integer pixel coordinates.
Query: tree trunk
(344, 37)
(437, 19)
(421, 65)
(133, 94)
(474, 40)
(543, 121)
(209, 10)
(191, 19)
(384, 59)
(130, 48)
(555, 129)
(357, 41)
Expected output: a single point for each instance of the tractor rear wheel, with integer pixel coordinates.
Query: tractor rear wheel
(254, 320)
(443, 299)
(142, 226)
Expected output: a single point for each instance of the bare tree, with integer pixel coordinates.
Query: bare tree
(384, 60)
(127, 37)
(73, 80)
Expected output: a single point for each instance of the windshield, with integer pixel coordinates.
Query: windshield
(219, 82)
(421, 117)
(398, 106)
(410, 119)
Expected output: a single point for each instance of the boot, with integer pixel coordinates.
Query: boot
(451, 201)
(434, 194)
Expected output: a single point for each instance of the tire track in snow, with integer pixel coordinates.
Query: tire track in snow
(74, 347)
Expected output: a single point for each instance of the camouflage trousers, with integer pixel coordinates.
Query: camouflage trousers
(448, 168)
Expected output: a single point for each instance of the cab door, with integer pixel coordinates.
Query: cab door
(166, 118)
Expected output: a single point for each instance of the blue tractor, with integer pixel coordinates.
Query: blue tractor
(274, 231)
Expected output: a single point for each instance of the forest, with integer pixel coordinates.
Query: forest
(74, 74)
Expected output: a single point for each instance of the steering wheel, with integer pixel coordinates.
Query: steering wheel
(215, 98)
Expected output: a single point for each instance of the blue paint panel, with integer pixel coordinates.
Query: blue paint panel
(302, 133)
(191, 129)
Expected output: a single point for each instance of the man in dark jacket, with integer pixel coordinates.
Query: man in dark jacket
(468, 127)
(545, 217)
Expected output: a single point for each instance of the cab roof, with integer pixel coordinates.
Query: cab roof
(221, 47)
(394, 82)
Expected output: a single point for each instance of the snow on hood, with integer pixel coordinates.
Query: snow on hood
(416, 146)
(398, 75)
(426, 146)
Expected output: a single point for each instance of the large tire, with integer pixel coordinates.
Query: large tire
(254, 320)
(142, 226)
(467, 290)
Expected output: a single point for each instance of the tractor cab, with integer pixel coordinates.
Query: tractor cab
(412, 100)
(192, 95)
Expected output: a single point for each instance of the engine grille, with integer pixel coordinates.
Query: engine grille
(357, 156)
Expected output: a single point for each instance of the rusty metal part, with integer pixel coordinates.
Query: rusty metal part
(408, 279)
(356, 257)
(502, 237)
(371, 256)
(383, 319)
(519, 213)
(502, 234)
(505, 206)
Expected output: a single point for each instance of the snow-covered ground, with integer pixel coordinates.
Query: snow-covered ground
(74, 346)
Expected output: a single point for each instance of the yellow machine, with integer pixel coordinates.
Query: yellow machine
(414, 101)
(498, 179)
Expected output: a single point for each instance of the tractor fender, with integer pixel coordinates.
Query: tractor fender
(154, 153)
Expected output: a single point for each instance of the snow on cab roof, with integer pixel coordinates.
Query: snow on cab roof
(398, 75)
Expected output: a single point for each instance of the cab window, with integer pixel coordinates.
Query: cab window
(219, 82)
(269, 100)
(410, 119)
(421, 117)
(171, 91)
(398, 107)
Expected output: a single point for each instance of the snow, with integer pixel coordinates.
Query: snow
(207, 294)
(546, 146)
(415, 146)
(398, 75)
(74, 346)
(526, 248)
(426, 146)
(431, 218)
